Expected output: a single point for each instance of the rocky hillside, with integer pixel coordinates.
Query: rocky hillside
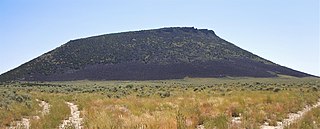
(166, 53)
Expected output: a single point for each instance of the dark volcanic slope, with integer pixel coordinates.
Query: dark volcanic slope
(166, 53)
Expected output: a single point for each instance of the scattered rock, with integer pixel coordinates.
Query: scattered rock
(236, 120)
(200, 127)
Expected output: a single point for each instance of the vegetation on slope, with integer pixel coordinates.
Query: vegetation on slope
(168, 52)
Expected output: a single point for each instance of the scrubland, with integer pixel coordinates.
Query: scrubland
(167, 104)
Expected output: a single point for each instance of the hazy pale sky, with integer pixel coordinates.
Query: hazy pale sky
(283, 31)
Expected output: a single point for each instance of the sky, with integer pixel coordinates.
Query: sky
(283, 31)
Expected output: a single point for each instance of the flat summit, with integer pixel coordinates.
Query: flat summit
(166, 53)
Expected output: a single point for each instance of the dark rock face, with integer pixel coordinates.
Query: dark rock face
(167, 53)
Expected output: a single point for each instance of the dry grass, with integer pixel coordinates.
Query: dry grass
(154, 112)
(170, 104)
(58, 111)
(310, 121)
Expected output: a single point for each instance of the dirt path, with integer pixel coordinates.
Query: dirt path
(292, 117)
(24, 123)
(45, 107)
(74, 120)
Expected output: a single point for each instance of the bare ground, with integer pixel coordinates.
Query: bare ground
(292, 118)
(24, 123)
(74, 120)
